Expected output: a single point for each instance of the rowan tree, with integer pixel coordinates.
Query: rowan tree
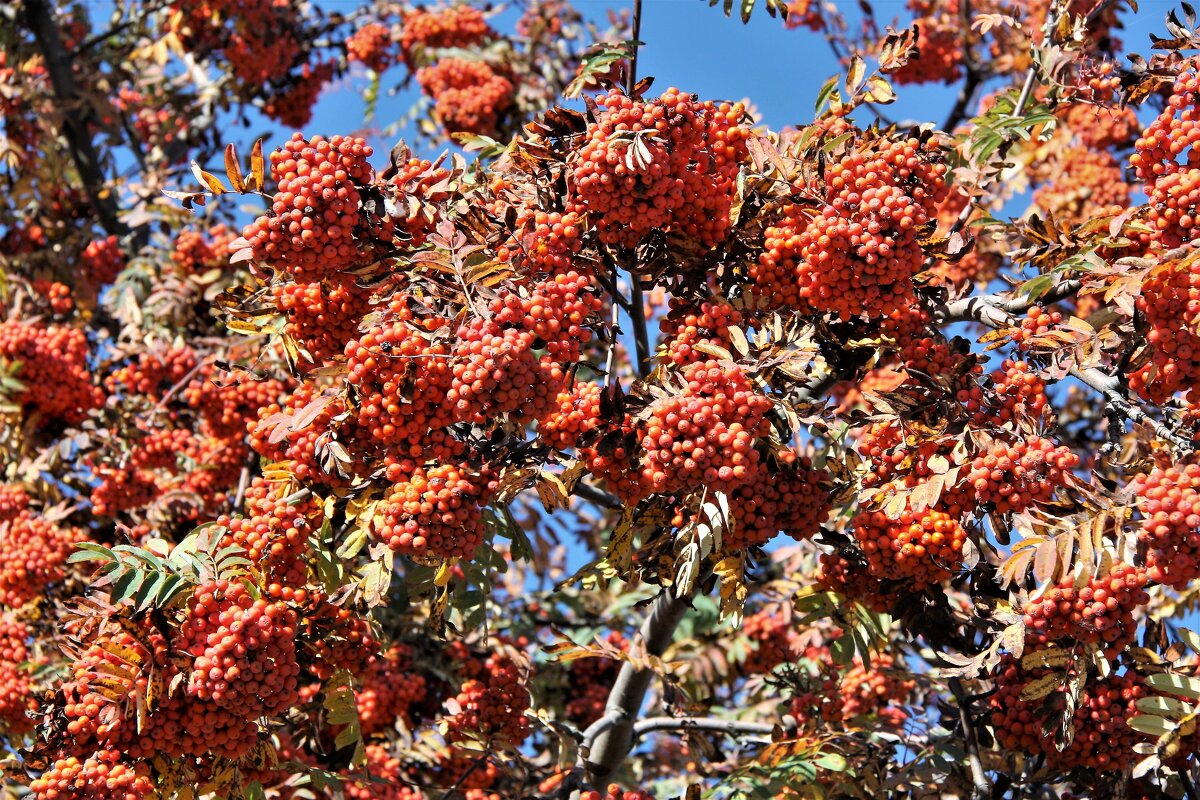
(629, 448)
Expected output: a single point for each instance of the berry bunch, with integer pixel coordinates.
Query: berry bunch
(555, 310)
(940, 58)
(614, 792)
(57, 295)
(789, 496)
(589, 682)
(275, 532)
(687, 325)
(371, 45)
(1100, 612)
(1165, 162)
(706, 434)
(1103, 740)
(153, 373)
(878, 692)
(102, 260)
(492, 705)
(1102, 128)
(667, 164)
(105, 775)
(577, 412)
(1169, 502)
(243, 650)
(543, 241)
(434, 513)
(16, 686)
(468, 96)
(1013, 477)
(852, 577)
(309, 230)
(460, 26)
(322, 316)
(1168, 301)
(1037, 322)
(775, 637)
(1087, 183)
(292, 104)
(496, 371)
(857, 253)
(1018, 396)
(391, 688)
(54, 368)
(107, 680)
(920, 548)
(35, 555)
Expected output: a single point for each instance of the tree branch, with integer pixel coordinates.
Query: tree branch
(40, 18)
(981, 786)
(732, 727)
(607, 742)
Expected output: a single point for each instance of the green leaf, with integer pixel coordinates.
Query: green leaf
(1179, 685)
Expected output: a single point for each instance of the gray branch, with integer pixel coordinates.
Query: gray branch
(731, 727)
(607, 742)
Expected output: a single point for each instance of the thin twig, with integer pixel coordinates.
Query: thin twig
(731, 727)
(981, 786)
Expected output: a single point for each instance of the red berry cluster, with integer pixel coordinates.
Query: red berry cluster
(789, 496)
(1102, 128)
(435, 513)
(16, 688)
(555, 310)
(154, 372)
(853, 579)
(403, 377)
(57, 295)
(687, 325)
(102, 260)
(391, 689)
(371, 45)
(496, 370)
(492, 705)
(388, 779)
(896, 459)
(1018, 396)
(706, 434)
(108, 678)
(259, 37)
(105, 775)
(543, 241)
(459, 26)
(421, 188)
(298, 447)
(293, 103)
(858, 252)
(338, 637)
(775, 637)
(1169, 168)
(614, 792)
(1037, 322)
(1169, 502)
(1086, 184)
(226, 408)
(667, 164)
(35, 555)
(13, 500)
(1013, 477)
(322, 316)
(920, 548)
(275, 532)
(469, 96)
(1100, 612)
(1103, 740)
(122, 489)
(1170, 302)
(309, 230)
(878, 691)
(577, 413)
(187, 726)
(243, 649)
(54, 368)
(940, 56)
